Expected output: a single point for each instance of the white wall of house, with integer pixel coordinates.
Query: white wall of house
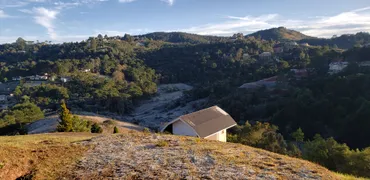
(181, 128)
(219, 136)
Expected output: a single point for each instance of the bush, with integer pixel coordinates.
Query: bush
(115, 130)
(80, 125)
(146, 130)
(95, 128)
(162, 143)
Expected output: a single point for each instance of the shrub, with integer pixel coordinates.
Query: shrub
(115, 130)
(162, 143)
(80, 125)
(146, 130)
(95, 128)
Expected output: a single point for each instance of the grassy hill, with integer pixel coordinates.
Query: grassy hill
(280, 34)
(136, 155)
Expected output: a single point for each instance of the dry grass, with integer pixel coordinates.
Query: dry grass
(39, 156)
(136, 155)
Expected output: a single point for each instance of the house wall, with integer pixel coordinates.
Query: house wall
(181, 128)
(219, 136)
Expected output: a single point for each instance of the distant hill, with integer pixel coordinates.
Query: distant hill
(181, 37)
(144, 156)
(280, 34)
(344, 41)
(283, 34)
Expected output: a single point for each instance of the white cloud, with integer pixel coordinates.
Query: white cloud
(62, 5)
(12, 3)
(45, 17)
(3, 14)
(27, 11)
(126, 1)
(37, 1)
(323, 26)
(169, 2)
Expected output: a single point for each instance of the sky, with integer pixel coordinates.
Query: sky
(76, 20)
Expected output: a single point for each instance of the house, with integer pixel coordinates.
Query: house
(336, 67)
(265, 55)
(299, 73)
(17, 78)
(364, 63)
(64, 79)
(210, 123)
(246, 56)
(289, 46)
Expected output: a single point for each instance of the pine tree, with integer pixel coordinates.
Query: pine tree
(115, 130)
(66, 119)
(298, 135)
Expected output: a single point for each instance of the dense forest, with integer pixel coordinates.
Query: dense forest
(113, 74)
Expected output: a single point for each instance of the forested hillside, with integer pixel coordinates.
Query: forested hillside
(296, 115)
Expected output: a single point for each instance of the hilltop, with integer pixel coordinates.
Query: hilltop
(280, 34)
(137, 155)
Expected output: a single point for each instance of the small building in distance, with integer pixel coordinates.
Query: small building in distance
(211, 123)
(364, 64)
(265, 55)
(64, 79)
(336, 67)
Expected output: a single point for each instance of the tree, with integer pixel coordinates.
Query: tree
(93, 44)
(128, 38)
(118, 76)
(298, 135)
(26, 112)
(95, 128)
(21, 43)
(115, 130)
(66, 119)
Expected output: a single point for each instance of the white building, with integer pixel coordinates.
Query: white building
(64, 79)
(211, 123)
(336, 67)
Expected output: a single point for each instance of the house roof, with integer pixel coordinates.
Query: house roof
(208, 121)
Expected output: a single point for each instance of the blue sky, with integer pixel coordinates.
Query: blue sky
(75, 20)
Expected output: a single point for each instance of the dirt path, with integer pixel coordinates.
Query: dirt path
(164, 107)
(49, 124)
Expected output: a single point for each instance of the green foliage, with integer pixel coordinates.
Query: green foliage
(80, 125)
(21, 113)
(262, 135)
(298, 135)
(337, 157)
(95, 128)
(115, 130)
(146, 130)
(66, 119)
(162, 143)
